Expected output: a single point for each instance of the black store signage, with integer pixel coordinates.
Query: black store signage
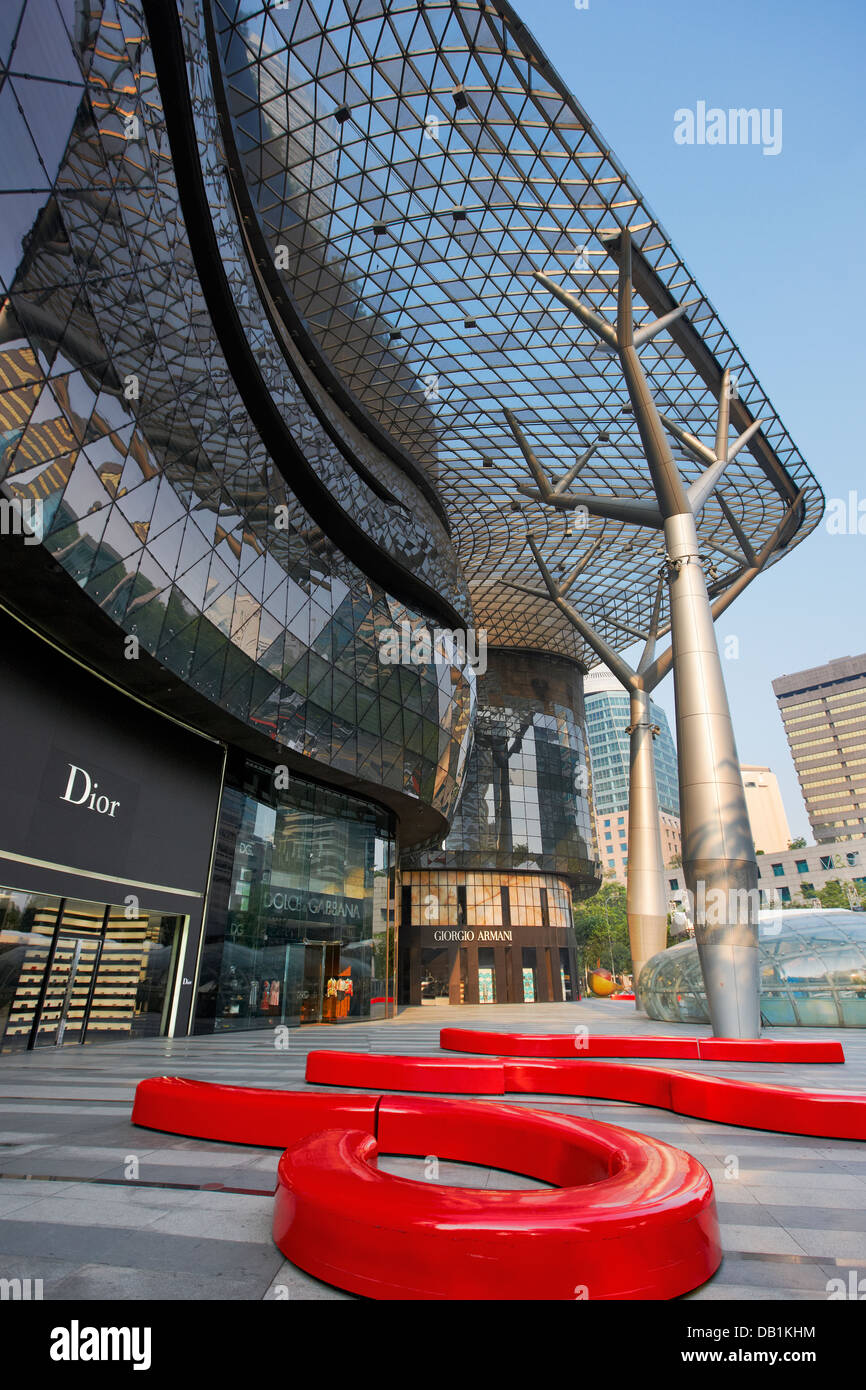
(93, 781)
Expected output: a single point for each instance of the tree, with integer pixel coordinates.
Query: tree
(833, 894)
(601, 929)
(799, 843)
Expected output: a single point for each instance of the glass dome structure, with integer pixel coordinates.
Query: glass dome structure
(813, 973)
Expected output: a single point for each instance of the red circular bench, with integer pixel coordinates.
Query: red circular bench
(628, 1217)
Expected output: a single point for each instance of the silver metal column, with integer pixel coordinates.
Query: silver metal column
(646, 900)
(718, 854)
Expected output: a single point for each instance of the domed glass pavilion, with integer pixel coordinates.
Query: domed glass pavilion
(813, 973)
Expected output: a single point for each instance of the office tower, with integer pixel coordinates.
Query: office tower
(824, 713)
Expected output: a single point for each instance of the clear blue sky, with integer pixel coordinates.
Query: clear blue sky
(777, 243)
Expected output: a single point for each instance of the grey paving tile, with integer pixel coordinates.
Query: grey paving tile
(153, 1250)
(92, 1282)
(724, 1293)
(831, 1245)
(88, 1212)
(220, 1224)
(770, 1240)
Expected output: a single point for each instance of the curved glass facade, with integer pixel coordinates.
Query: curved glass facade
(813, 973)
(123, 429)
(525, 803)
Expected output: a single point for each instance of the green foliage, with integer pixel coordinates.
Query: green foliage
(601, 929)
(833, 894)
(799, 843)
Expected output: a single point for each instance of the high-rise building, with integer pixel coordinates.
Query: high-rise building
(824, 713)
(607, 720)
(767, 816)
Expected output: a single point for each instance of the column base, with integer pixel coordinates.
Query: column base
(732, 982)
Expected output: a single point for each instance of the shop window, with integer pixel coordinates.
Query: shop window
(486, 975)
(461, 905)
(530, 993)
(565, 975)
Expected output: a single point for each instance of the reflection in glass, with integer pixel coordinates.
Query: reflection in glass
(813, 973)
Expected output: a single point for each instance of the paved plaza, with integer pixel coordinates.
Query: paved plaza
(99, 1209)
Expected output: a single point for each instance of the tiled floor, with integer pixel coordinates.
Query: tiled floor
(99, 1209)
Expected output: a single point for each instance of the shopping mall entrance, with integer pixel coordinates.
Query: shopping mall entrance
(75, 972)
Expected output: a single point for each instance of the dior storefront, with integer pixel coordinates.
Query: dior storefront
(122, 832)
(107, 818)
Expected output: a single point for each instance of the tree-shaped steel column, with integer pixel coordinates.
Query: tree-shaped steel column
(718, 853)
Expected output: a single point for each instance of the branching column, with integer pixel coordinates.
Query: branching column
(718, 853)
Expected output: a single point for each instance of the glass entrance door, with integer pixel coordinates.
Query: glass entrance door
(81, 972)
(313, 982)
(66, 991)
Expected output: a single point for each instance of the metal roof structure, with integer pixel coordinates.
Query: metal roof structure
(435, 162)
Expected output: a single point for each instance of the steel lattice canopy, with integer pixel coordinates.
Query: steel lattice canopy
(419, 164)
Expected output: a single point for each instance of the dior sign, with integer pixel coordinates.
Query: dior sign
(81, 790)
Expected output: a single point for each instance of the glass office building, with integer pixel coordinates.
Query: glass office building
(263, 299)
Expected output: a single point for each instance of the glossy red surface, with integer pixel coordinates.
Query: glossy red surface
(636, 1219)
(245, 1114)
(379, 1070)
(751, 1104)
(628, 1217)
(587, 1044)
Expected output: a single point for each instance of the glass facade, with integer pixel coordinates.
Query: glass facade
(607, 718)
(525, 803)
(813, 973)
(82, 972)
(121, 421)
(301, 928)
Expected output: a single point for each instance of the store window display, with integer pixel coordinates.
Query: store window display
(301, 929)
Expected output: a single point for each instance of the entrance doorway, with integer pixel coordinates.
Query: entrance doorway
(79, 972)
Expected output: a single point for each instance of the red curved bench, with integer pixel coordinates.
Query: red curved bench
(588, 1044)
(631, 1217)
(749, 1104)
(245, 1114)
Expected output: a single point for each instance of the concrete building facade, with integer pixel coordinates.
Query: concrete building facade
(767, 815)
(824, 713)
